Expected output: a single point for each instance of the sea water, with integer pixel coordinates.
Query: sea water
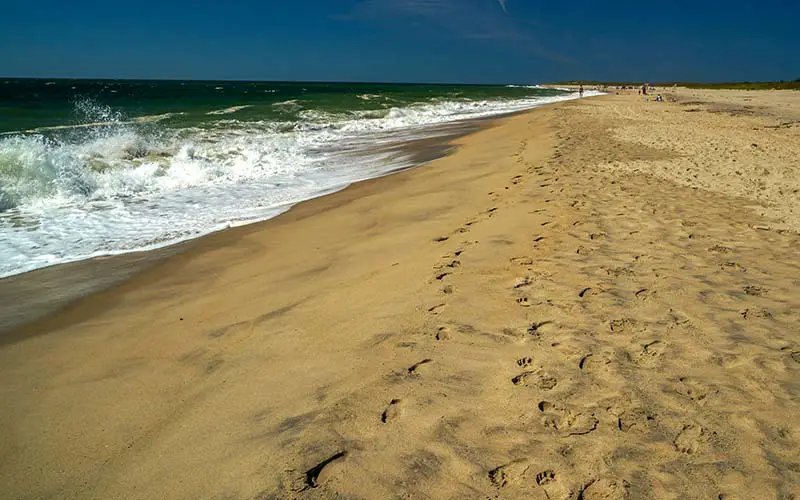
(92, 168)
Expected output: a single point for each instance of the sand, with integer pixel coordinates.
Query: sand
(586, 301)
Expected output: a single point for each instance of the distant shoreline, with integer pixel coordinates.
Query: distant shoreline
(778, 85)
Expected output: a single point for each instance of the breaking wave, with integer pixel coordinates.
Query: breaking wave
(110, 184)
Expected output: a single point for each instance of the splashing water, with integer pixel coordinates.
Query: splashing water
(107, 183)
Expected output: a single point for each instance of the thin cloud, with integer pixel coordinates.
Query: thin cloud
(503, 5)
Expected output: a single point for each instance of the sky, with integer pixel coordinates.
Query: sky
(453, 41)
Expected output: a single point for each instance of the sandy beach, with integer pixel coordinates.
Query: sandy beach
(594, 299)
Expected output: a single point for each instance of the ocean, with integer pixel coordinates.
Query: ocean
(103, 167)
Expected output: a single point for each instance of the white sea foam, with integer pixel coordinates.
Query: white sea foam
(121, 189)
(227, 111)
(115, 123)
(155, 118)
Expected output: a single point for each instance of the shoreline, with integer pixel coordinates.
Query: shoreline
(589, 300)
(59, 280)
(234, 170)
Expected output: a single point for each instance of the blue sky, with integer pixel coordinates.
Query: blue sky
(476, 41)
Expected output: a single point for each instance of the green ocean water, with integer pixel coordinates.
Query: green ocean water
(31, 104)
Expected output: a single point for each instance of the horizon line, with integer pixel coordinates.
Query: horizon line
(397, 82)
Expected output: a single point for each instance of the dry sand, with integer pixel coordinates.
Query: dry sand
(593, 300)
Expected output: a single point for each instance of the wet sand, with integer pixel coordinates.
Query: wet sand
(586, 301)
(33, 295)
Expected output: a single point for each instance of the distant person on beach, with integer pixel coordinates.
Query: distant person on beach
(580, 91)
(644, 89)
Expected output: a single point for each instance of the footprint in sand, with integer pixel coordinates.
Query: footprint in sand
(591, 291)
(554, 485)
(414, 369)
(583, 364)
(605, 489)
(312, 479)
(448, 289)
(719, 249)
(635, 420)
(535, 378)
(524, 301)
(651, 353)
(391, 412)
(439, 266)
(732, 266)
(694, 390)
(756, 314)
(523, 282)
(621, 325)
(520, 472)
(565, 421)
(509, 474)
(444, 333)
(755, 291)
(794, 354)
(525, 362)
(517, 334)
(535, 330)
(522, 261)
(679, 318)
(545, 477)
(619, 272)
(691, 439)
(437, 309)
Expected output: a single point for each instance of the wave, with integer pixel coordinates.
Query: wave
(287, 107)
(125, 147)
(227, 111)
(55, 128)
(156, 118)
(131, 184)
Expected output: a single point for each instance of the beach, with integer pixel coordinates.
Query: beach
(593, 299)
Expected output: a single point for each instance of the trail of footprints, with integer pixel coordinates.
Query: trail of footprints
(571, 422)
(560, 418)
(555, 417)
